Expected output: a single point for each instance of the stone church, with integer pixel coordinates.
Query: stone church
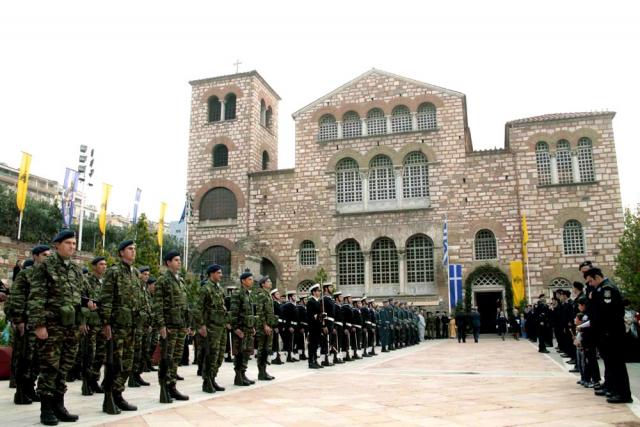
(379, 163)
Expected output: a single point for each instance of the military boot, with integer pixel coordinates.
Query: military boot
(207, 384)
(47, 417)
(337, 360)
(121, 403)
(108, 404)
(175, 394)
(277, 360)
(290, 358)
(326, 362)
(238, 380)
(94, 386)
(60, 411)
(132, 383)
(216, 386)
(20, 397)
(247, 380)
(139, 380)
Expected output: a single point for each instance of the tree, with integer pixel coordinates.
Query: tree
(147, 249)
(41, 220)
(628, 259)
(321, 276)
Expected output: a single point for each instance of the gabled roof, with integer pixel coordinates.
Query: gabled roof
(231, 76)
(560, 116)
(367, 74)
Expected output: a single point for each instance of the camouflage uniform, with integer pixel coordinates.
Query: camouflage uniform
(212, 313)
(94, 337)
(142, 321)
(265, 316)
(242, 318)
(56, 287)
(170, 310)
(120, 300)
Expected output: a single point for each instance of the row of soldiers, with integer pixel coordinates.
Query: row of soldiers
(114, 317)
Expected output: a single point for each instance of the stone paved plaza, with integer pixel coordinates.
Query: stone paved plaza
(438, 383)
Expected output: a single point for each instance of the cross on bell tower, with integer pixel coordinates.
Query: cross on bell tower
(237, 65)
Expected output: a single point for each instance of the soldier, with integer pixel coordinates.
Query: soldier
(55, 296)
(541, 314)
(364, 316)
(243, 313)
(213, 318)
(171, 316)
(24, 338)
(338, 328)
(142, 324)
(303, 327)
(153, 335)
(444, 323)
(227, 303)
(328, 307)
(290, 318)
(357, 328)
(316, 327)
(277, 332)
(384, 326)
(119, 301)
(372, 327)
(349, 329)
(266, 324)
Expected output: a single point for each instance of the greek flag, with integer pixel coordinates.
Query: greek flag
(455, 283)
(445, 243)
(67, 204)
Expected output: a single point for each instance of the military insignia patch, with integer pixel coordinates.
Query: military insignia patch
(607, 293)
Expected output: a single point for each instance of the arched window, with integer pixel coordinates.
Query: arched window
(563, 157)
(427, 116)
(560, 283)
(485, 245)
(328, 128)
(350, 264)
(415, 176)
(348, 181)
(382, 181)
(216, 255)
(376, 122)
(384, 261)
(307, 253)
(585, 160)
(268, 118)
(303, 288)
(420, 266)
(218, 203)
(220, 155)
(351, 125)
(230, 107)
(263, 113)
(401, 119)
(265, 161)
(543, 163)
(214, 109)
(573, 238)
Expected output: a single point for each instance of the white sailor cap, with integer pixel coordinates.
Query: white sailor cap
(336, 293)
(273, 291)
(314, 287)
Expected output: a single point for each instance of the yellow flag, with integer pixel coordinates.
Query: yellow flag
(517, 281)
(525, 237)
(102, 220)
(163, 208)
(23, 181)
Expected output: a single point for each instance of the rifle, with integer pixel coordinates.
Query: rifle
(87, 359)
(163, 370)
(21, 367)
(110, 372)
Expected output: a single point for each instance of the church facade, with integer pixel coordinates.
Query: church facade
(380, 163)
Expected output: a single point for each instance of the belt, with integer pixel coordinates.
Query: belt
(369, 323)
(294, 323)
(304, 323)
(330, 318)
(280, 320)
(338, 323)
(358, 326)
(348, 324)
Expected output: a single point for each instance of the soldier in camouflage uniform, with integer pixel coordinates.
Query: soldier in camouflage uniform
(153, 335)
(171, 316)
(91, 324)
(119, 301)
(212, 317)
(243, 327)
(266, 323)
(16, 311)
(142, 323)
(55, 296)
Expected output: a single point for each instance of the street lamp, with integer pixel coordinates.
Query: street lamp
(84, 162)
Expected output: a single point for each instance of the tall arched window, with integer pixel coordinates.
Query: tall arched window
(585, 160)
(265, 161)
(543, 163)
(348, 181)
(420, 265)
(328, 128)
(351, 125)
(350, 264)
(485, 245)
(415, 176)
(303, 288)
(220, 155)
(216, 255)
(263, 113)
(214, 109)
(376, 122)
(401, 119)
(307, 253)
(230, 107)
(384, 261)
(565, 166)
(218, 203)
(268, 118)
(573, 238)
(382, 181)
(427, 116)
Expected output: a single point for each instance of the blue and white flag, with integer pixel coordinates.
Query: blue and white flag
(455, 283)
(445, 243)
(135, 206)
(68, 196)
(184, 212)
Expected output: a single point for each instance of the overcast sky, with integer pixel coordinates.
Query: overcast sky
(116, 76)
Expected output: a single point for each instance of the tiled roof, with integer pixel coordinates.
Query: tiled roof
(560, 116)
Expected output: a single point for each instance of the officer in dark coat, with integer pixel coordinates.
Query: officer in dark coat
(303, 327)
(541, 314)
(315, 321)
(347, 318)
(329, 308)
(289, 315)
(461, 324)
(338, 329)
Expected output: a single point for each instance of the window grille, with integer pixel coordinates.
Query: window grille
(485, 245)
(543, 163)
(351, 125)
(328, 128)
(427, 117)
(307, 253)
(376, 122)
(573, 238)
(348, 182)
(415, 176)
(585, 160)
(563, 158)
(382, 182)
(350, 264)
(419, 256)
(401, 119)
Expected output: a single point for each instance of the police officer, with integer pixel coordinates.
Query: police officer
(266, 324)
(243, 324)
(171, 316)
(55, 296)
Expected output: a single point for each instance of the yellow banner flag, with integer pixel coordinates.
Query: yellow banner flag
(23, 181)
(525, 237)
(102, 220)
(517, 281)
(163, 208)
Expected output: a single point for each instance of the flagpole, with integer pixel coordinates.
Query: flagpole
(446, 229)
(20, 225)
(449, 284)
(526, 264)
